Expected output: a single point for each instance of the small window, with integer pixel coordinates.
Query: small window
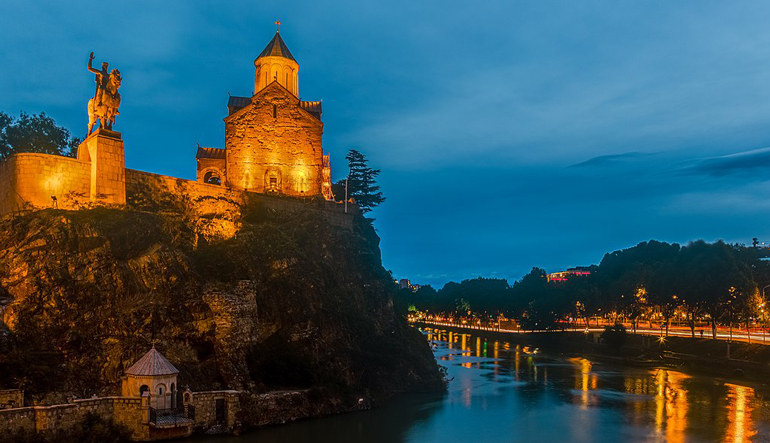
(160, 391)
(143, 389)
(275, 111)
(212, 178)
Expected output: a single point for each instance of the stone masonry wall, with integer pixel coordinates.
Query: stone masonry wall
(104, 151)
(44, 419)
(30, 180)
(219, 204)
(11, 398)
(205, 404)
(274, 140)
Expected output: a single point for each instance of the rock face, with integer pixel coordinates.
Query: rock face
(289, 302)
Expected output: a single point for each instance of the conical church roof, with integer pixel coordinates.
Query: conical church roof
(153, 363)
(276, 48)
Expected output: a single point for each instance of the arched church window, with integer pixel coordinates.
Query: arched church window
(143, 389)
(275, 111)
(212, 178)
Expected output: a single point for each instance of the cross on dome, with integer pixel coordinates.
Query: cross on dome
(277, 25)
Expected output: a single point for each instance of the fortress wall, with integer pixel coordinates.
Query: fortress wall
(30, 180)
(51, 419)
(149, 191)
(205, 404)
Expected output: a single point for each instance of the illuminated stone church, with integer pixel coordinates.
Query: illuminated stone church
(273, 145)
(273, 140)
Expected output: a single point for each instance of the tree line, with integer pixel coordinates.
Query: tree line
(701, 283)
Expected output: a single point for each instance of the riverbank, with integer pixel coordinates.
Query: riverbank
(703, 356)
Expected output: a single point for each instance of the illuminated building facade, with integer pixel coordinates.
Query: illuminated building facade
(579, 271)
(273, 140)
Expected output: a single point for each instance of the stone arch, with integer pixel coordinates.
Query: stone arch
(273, 180)
(212, 176)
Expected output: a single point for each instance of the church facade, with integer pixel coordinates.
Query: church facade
(273, 140)
(273, 145)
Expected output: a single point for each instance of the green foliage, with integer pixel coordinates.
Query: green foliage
(37, 133)
(704, 280)
(362, 183)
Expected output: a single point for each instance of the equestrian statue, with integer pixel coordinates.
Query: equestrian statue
(104, 105)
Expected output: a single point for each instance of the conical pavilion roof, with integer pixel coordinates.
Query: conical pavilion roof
(277, 48)
(153, 363)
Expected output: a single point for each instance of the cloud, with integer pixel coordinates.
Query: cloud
(749, 164)
(610, 160)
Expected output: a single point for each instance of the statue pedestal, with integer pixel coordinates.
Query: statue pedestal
(104, 150)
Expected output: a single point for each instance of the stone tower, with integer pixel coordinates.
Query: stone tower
(276, 63)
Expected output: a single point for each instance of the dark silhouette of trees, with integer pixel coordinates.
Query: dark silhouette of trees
(37, 133)
(699, 282)
(362, 183)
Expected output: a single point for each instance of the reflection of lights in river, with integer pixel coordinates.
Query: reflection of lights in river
(671, 405)
(585, 381)
(740, 426)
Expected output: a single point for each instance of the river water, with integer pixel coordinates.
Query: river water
(499, 393)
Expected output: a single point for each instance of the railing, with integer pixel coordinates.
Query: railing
(170, 417)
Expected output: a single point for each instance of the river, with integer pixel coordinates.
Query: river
(499, 393)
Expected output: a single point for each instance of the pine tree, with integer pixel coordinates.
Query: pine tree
(362, 182)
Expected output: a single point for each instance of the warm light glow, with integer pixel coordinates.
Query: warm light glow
(671, 405)
(740, 426)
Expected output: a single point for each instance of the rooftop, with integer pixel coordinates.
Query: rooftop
(203, 152)
(276, 48)
(153, 363)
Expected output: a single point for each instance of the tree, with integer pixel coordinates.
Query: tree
(35, 133)
(362, 182)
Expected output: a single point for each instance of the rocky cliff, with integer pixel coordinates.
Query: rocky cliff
(288, 302)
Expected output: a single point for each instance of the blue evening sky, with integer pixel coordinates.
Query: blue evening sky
(510, 134)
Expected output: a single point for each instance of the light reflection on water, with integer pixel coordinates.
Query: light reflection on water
(500, 393)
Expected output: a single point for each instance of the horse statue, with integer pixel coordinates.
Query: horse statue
(104, 105)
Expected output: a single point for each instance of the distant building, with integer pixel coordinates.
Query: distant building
(578, 271)
(404, 283)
